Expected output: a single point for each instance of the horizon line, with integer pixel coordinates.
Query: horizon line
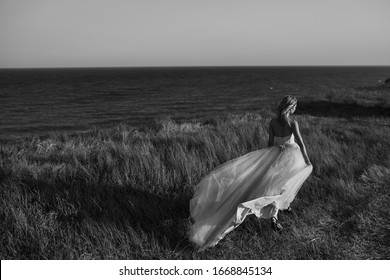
(194, 66)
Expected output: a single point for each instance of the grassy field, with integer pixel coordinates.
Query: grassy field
(123, 193)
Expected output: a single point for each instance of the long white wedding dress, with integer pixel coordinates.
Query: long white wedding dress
(261, 183)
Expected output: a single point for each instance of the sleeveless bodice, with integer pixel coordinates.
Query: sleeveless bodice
(289, 139)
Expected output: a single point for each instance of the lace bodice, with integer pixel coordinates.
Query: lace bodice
(283, 140)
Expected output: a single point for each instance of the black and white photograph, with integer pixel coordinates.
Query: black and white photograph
(195, 130)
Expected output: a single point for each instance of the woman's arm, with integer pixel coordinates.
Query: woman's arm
(270, 135)
(298, 137)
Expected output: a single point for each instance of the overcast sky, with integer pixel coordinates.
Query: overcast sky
(94, 33)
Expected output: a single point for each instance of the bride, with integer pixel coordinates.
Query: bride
(261, 182)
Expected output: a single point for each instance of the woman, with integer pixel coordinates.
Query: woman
(261, 182)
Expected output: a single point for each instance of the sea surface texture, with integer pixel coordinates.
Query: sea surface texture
(41, 101)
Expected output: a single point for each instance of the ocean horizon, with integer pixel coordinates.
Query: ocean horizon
(37, 101)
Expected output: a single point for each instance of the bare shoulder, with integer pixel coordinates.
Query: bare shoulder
(294, 125)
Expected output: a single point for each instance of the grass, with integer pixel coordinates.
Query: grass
(368, 95)
(123, 193)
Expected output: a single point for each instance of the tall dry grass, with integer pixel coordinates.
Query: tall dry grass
(123, 193)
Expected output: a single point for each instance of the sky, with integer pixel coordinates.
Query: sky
(133, 33)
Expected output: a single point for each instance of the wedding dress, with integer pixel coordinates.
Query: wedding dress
(261, 183)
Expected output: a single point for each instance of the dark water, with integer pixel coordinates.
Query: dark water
(38, 101)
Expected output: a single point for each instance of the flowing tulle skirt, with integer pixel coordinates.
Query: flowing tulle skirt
(261, 183)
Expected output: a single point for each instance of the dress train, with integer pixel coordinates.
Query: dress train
(260, 183)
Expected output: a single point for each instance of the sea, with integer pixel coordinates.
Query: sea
(51, 100)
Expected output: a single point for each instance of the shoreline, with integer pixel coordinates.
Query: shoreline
(309, 106)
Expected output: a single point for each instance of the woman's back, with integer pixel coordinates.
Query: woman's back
(280, 130)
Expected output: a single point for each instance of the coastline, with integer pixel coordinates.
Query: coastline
(36, 102)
